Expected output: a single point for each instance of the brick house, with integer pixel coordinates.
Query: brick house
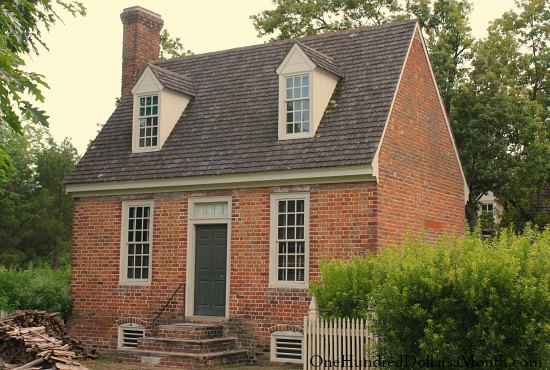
(230, 174)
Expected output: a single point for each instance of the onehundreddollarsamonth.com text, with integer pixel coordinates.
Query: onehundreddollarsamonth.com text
(429, 361)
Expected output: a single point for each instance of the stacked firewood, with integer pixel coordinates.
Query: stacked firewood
(38, 340)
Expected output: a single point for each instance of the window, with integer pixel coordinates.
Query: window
(129, 334)
(136, 246)
(290, 244)
(148, 121)
(488, 209)
(297, 104)
(286, 346)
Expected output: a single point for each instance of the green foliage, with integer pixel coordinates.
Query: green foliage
(455, 297)
(21, 26)
(36, 288)
(36, 217)
(171, 47)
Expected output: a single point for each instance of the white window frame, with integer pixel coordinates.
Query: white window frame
(274, 281)
(130, 326)
(285, 335)
(136, 128)
(123, 277)
(283, 135)
(294, 99)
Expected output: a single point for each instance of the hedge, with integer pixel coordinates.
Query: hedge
(455, 299)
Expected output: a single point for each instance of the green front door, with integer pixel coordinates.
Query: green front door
(210, 269)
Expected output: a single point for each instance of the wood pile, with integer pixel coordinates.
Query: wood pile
(38, 340)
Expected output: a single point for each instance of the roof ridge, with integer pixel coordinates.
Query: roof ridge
(293, 40)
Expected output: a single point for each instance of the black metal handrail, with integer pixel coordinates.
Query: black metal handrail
(166, 305)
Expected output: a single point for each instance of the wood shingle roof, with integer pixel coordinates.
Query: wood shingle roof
(230, 126)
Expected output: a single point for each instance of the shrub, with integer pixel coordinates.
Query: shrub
(37, 288)
(451, 298)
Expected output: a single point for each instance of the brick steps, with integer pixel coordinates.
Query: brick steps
(190, 331)
(182, 360)
(186, 345)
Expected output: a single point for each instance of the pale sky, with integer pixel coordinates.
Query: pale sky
(83, 65)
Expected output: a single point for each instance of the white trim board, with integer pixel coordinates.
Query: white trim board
(213, 182)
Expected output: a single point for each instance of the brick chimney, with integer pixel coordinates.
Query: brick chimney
(140, 43)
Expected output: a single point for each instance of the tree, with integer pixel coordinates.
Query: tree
(500, 120)
(21, 25)
(36, 217)
(171, 47)
(297, 18)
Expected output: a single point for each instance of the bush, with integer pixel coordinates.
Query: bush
(452, 299)
(35, 288)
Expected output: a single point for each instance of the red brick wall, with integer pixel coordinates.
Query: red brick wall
(342, 222)
(419, 175)
(140, 43)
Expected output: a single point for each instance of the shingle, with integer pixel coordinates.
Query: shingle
(231, 125)
(173, 81)
(321, 60)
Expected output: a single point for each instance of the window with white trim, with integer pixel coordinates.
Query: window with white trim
(297, 111)
(129, 334)
(488, 208)
(289, 264)
(136, 245)
(287, 346)
(148, 118)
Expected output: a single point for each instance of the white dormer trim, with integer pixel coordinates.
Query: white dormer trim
(321, 86)
(171, 105)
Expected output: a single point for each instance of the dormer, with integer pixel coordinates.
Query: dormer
(160, 97)
(307, 79)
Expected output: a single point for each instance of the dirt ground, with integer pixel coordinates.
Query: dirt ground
(110, 363)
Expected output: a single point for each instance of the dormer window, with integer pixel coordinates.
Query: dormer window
(148, 121)
(160, 97)
(298, 115)
(307, 79)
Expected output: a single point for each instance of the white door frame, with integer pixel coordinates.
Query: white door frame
(193, 220)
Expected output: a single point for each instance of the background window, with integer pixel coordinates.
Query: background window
(297, 104)
(148, 121)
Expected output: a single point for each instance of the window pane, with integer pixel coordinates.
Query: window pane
(289, 128)
(289, 82)
(298, 105)
(282, 220)
(290, 220)
(130, 261)
(289, 117)
(148, 100)
(291, 205)
(297, 81)
(297, 93)
(297, 116)
(142, 101)
(300, 219)
(290, 233)
(305, 91)
(145, 273)
(281, 234)
(289, 94)
(305, 104)
(305, 80)
(155, 99)
(305, 127)
(300, 205)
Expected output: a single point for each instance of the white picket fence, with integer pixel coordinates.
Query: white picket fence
(336, 344)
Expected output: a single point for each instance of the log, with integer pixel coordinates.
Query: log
(30, 364)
